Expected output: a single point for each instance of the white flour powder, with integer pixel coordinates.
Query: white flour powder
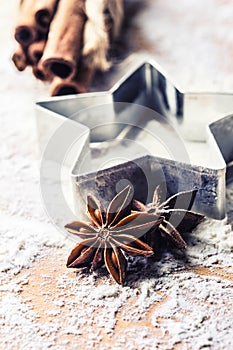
(164, 302)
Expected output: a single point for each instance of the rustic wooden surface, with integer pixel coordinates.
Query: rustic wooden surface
(194, 42)
(43, 288)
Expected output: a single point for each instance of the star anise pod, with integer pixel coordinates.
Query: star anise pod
(178, 218)
(109, 232)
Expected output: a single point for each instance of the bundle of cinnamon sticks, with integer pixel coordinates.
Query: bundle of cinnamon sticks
(66, 41)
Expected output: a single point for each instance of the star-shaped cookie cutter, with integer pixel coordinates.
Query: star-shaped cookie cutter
(196, 116)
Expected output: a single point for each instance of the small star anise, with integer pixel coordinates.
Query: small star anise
(109, 232)
(178, 218)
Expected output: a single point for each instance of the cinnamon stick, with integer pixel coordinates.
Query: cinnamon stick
(76, 85)
(63, 48)
(19, 58)
(44, 11)
(26, 31)
(35, 51)
(35, 16)
(40, 73)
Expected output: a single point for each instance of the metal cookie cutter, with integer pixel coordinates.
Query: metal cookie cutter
(114, 122)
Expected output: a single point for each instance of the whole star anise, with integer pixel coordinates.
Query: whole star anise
(178, 218)
(109, 232)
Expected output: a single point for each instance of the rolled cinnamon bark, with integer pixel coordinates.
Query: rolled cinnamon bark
(40, 73)
(35, 15)
(76, 85)
(63, 48)
(19, 58)
(26, 31)
(44, 11)
(25, 34)
(35, 51)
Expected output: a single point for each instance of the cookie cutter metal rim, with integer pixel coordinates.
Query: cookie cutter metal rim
(156, 84)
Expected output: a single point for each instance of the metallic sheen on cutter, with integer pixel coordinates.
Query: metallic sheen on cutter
(195, 116)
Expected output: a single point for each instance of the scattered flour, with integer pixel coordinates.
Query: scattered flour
(164, 303)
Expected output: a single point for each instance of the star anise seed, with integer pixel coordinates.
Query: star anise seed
(109, 233)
